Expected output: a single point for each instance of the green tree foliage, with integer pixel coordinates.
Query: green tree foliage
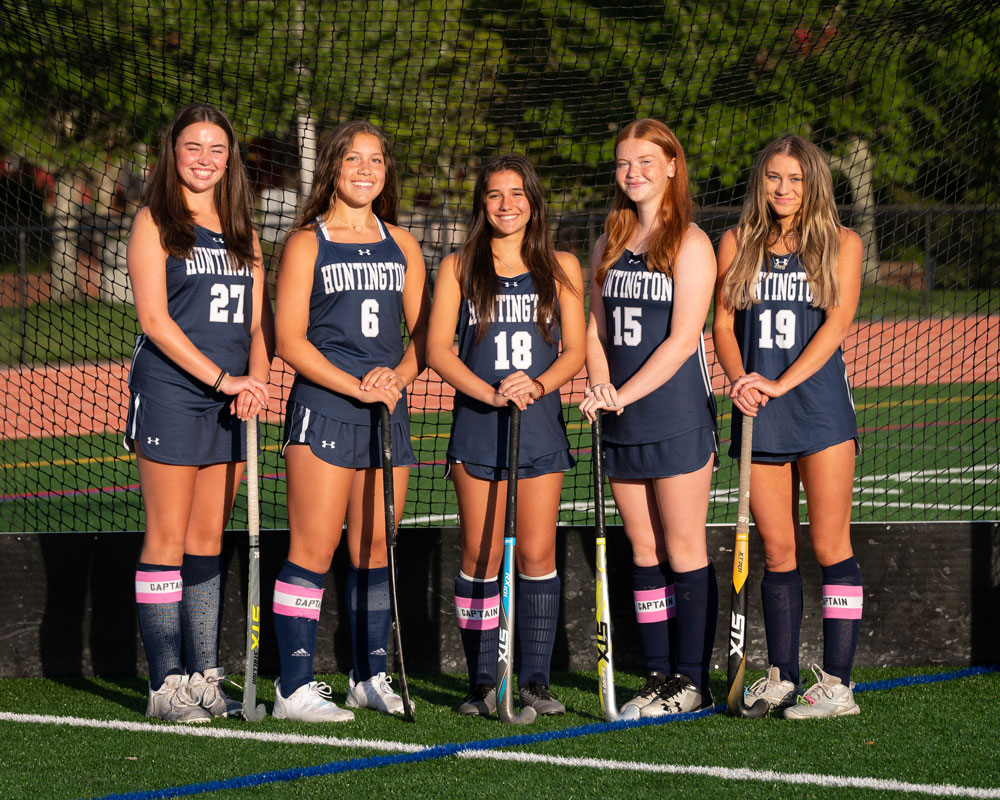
(456, 80)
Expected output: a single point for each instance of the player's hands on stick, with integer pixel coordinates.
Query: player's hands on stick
(517, 388)
(251, 395)
(752, 391)
(381, 385)
(600, 397)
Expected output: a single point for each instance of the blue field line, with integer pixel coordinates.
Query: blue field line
(444, 750)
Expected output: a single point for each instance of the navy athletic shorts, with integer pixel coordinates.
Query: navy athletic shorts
(784, 458)
(678, 455)
(173, 437)
(344, 444)
(559, 461)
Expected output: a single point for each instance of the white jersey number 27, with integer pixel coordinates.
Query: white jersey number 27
(222, 295)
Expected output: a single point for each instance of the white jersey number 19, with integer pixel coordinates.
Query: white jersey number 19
(784, 327)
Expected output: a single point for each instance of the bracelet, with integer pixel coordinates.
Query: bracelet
(220, 380)
(541, 389)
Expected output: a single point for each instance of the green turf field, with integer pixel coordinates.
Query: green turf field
(928, 453)
(89, 738)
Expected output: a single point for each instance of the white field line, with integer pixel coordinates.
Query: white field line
(212, 733)
(740, 774)
(924, 476)
(721, 773)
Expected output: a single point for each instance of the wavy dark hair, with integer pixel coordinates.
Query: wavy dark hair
(676, 207)
(332, 149)
(477, 275)
(232, 195)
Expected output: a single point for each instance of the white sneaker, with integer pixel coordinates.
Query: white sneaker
(374, 693)
(678, 695)
(646, 695)
(828, 697)
(175, 701)
(309, 703)
(777, 693)
(206, 686)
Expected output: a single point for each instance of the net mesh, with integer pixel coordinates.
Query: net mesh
(902, 96)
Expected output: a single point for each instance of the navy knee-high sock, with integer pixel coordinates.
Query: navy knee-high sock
(158, 593)
(692, 590)
(298, 597)
(781, 598)
(477, 608)
(843, 597)
(653, 596)
(711, 621)
(201, 611)
(537, 611)
(370, 615)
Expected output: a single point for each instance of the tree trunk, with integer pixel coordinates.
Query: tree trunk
(857, 166)
(65, 232)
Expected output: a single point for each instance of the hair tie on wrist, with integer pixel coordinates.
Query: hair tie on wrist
(220, 380)
(541, 389)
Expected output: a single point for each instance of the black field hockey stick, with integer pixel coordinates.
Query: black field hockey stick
(605, 665)
(388, 489)
(738, 604)
(505, 649)
(252, 710)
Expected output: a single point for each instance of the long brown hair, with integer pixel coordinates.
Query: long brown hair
(477, 275)
(816, 227)
(332, 149)
(232, 195)
(676, 208)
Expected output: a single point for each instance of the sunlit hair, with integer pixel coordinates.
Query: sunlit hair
(333, 147)
(816, 227)
(232, 195)
(676, 210)
(477, 275)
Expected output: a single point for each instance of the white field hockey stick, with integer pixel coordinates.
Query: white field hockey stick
(605, 665)
(738, 603)
(390, 548)
(252, 710)
(505, 650)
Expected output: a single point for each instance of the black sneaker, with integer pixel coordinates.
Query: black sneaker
(541, 699)
(480, 702)
(654, 682)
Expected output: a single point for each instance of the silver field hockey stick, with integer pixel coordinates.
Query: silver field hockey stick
(390, 548)
(605, 665)
(505, 650)
(252, 710)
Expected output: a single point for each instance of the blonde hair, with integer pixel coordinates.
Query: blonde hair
(676, 208)
(816, 227)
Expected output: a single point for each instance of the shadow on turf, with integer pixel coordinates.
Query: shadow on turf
(129, 693)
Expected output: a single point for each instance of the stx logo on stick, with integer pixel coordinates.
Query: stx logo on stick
(737, 634)
(255, 628)
(602, 641)
(504, 649)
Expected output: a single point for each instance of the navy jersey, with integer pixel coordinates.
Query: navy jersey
(817, 413)
(213, 305)
(512, 343)
(638, 305)
(355, 314)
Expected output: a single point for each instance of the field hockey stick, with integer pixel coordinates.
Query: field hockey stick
(505, 649)
(605, 666)
(738, 603)
(390, 548)
(252, 710)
